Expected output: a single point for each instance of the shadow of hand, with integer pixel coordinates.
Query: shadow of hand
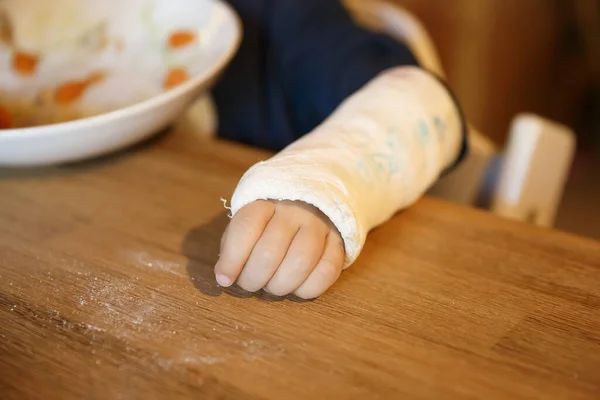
(201, 247)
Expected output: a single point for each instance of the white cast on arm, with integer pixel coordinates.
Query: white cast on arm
(376, 154)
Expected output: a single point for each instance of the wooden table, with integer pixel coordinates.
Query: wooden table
(107, 292)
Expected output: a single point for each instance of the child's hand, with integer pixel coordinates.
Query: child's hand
(284, 247)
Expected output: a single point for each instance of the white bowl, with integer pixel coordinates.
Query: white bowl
(127, 40)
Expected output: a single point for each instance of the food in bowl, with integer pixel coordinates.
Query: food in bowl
(36, 90)
(135, 44)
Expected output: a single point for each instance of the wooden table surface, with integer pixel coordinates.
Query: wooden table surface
(107, 292)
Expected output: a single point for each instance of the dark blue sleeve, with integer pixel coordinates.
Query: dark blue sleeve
(321, 56)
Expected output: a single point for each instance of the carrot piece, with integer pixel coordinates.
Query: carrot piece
(69, 92)
(25, 64)
(6, 120)
(73, 90)
(181, 38)
(175, 77)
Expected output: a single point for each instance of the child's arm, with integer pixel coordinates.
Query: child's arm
(376, 155)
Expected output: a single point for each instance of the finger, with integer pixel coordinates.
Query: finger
(268, 253)
(302, 257)
(223, 238)
(242, 233)
(327, 271)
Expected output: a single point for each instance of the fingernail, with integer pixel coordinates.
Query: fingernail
(223, 280)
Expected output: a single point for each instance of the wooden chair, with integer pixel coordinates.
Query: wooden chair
(523, 181)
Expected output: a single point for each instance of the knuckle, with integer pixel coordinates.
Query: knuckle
(245, 223)
(339, 245)
(337, 252)
(330, 270)
(258, 205)
(267, 255)
(277, 290)
(301, 261)
(262, 209)
(306, 294)
(247, 285)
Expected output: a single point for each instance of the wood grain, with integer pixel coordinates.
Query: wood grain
(107, 292)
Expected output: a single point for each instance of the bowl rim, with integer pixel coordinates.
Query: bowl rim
(57, 129)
